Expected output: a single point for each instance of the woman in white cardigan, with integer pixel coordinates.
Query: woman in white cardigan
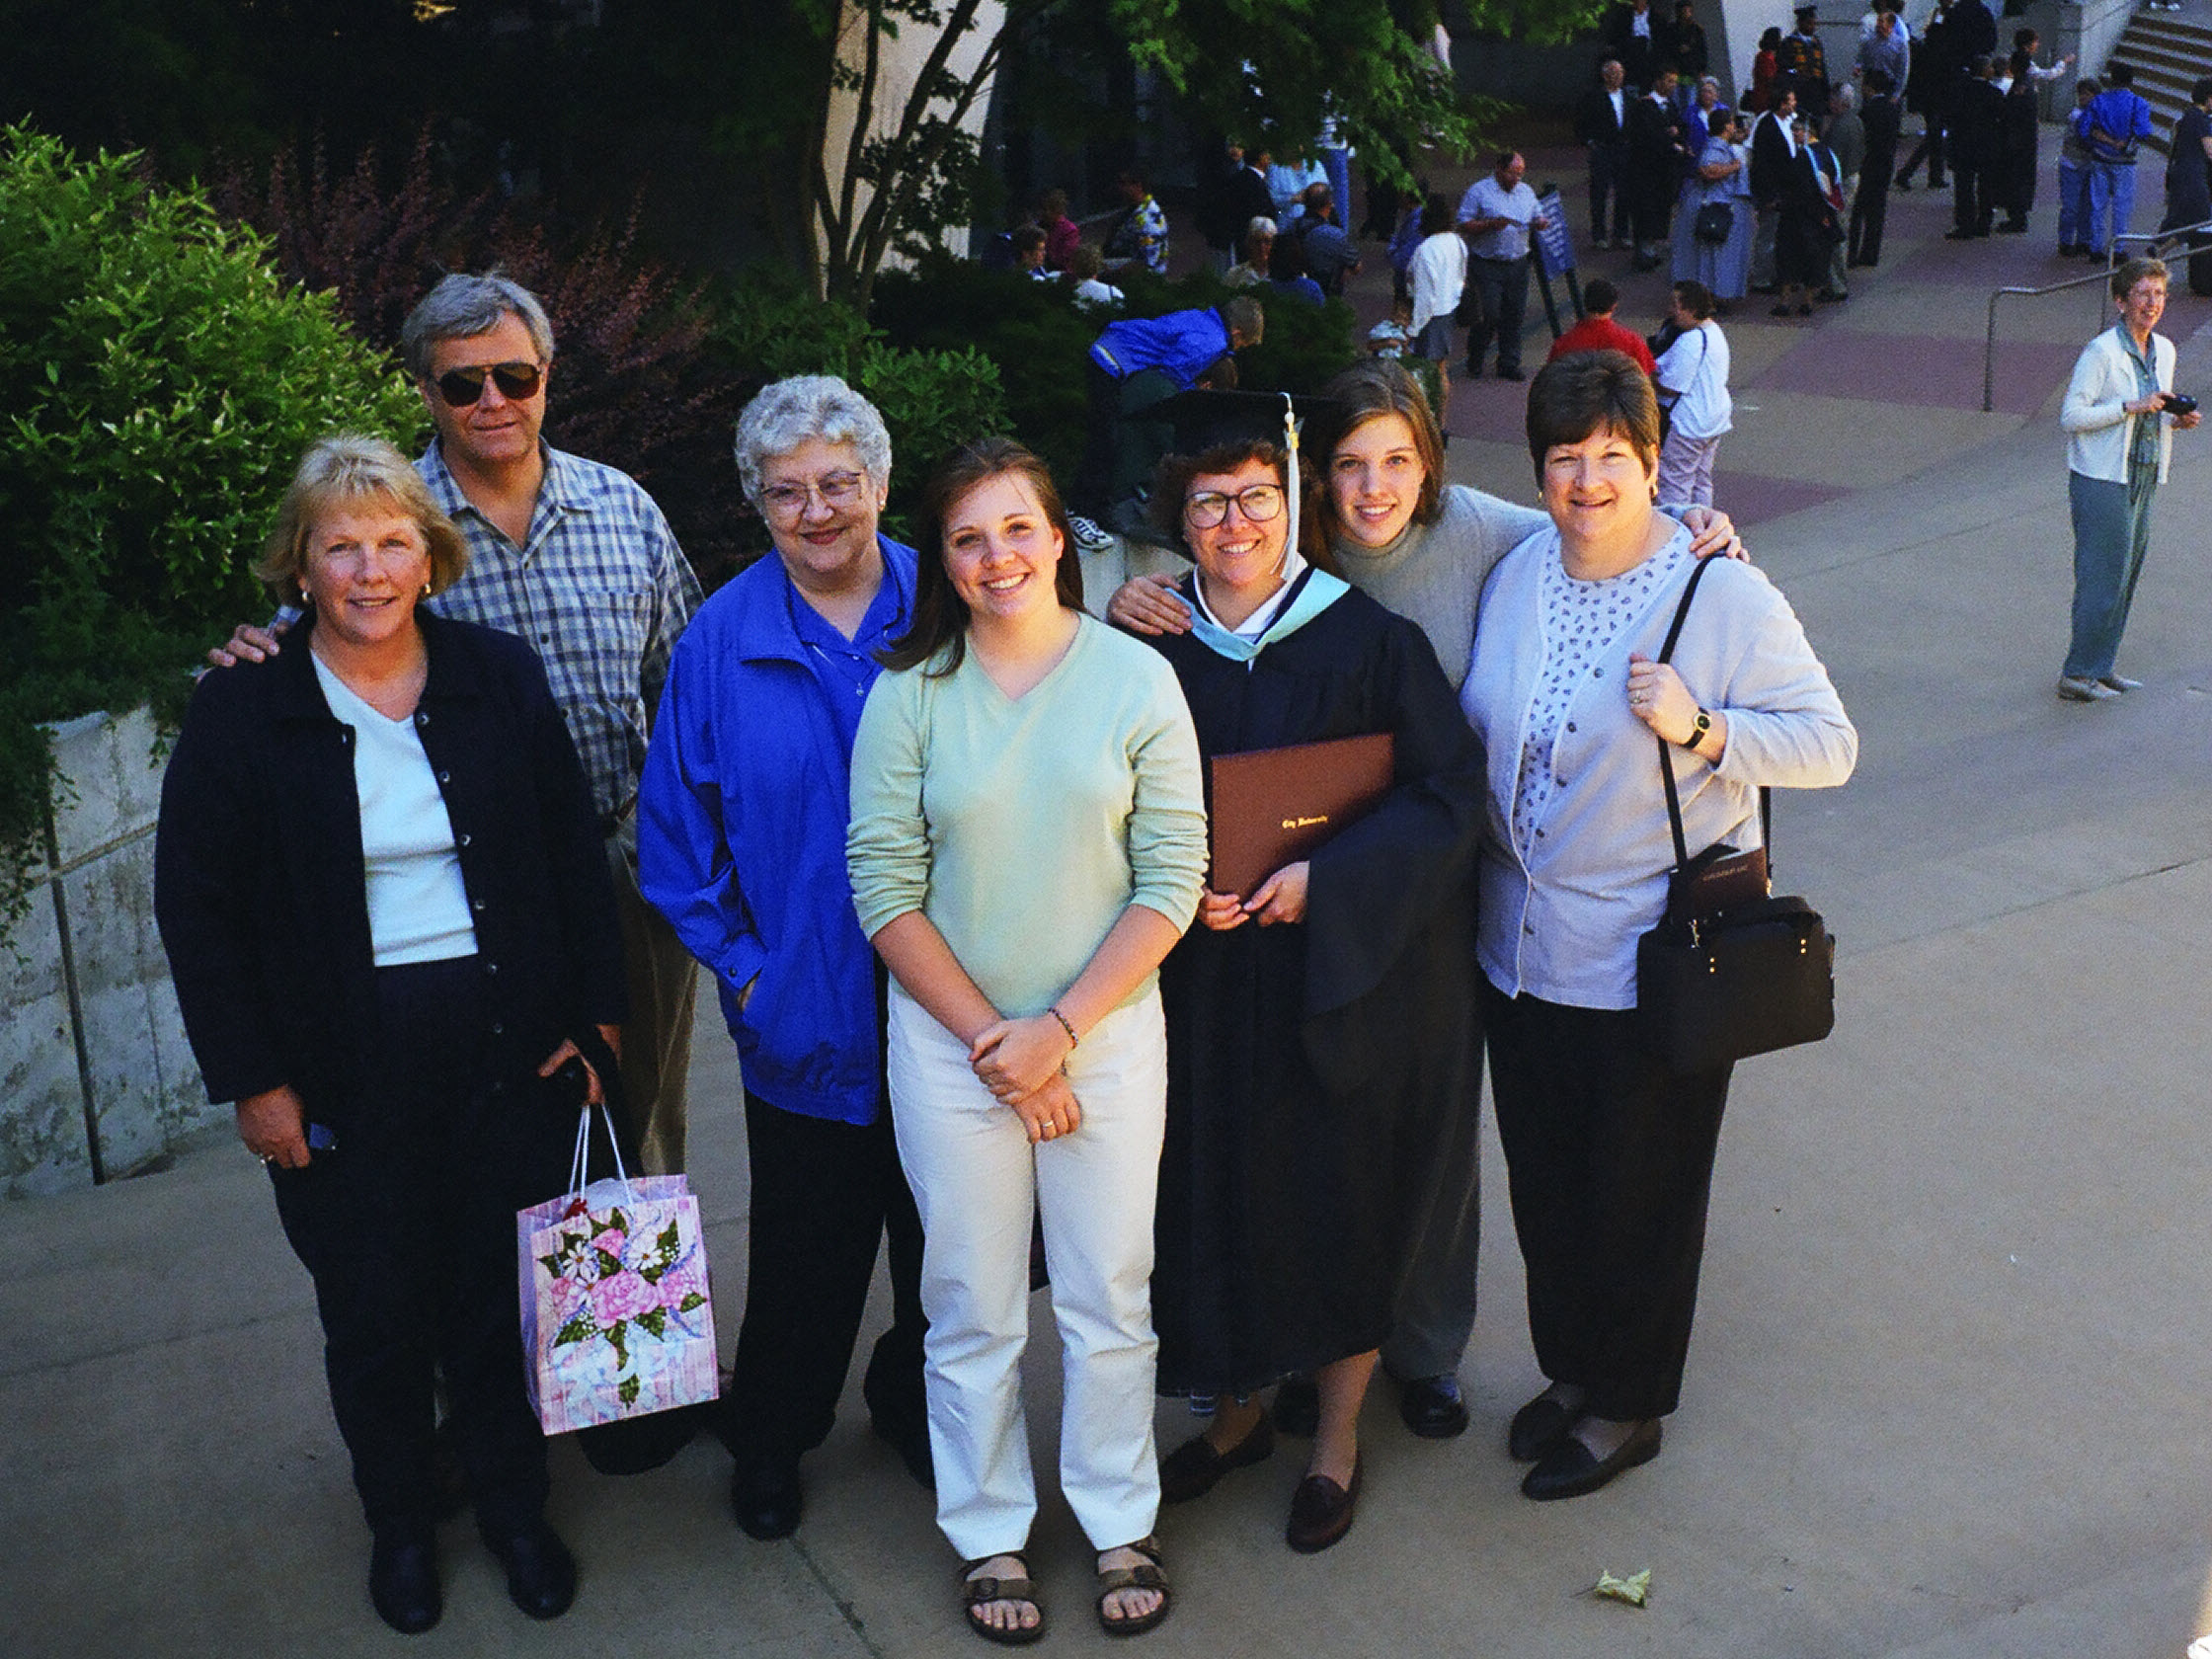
(1609, 1152)
(2119, 441)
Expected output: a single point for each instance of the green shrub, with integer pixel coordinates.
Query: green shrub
(159, 383)
(933, 402)
(933, 398)
(1032, 330)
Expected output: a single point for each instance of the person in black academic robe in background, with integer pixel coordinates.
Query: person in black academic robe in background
(1686, 52)
(1977, 135)
(1633, 33)
(1935, 76)
(1320, 1033)
(1657, 156)
(2188, 180)
(1869, 209)
(2013, 184)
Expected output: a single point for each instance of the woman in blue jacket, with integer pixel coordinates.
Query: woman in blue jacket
(741, 845)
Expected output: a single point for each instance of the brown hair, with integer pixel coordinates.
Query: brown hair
(1173, 481)
(340, 472)
(938, 634)
(1382, 386)
(1587, 392)
(2134, 270)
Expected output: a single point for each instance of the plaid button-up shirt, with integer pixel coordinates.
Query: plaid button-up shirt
(601, 590)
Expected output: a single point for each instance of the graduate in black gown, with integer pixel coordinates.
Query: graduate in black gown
(1320, 1029)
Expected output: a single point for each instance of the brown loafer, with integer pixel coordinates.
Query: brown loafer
(1194, 1467)
(1321, 1511)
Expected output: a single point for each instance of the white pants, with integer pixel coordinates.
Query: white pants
(975, 1178)
(1686, 469)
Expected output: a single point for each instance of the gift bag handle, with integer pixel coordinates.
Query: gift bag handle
(600, 1058)
(1667, 759)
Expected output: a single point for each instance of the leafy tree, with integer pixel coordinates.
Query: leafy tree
(1255, 66)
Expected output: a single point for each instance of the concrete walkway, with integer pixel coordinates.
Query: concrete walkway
(1947, 1394)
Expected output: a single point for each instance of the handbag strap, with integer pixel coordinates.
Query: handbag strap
(1667, 760)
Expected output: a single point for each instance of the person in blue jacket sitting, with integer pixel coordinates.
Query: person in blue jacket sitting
(742, 846)
(1139, 361)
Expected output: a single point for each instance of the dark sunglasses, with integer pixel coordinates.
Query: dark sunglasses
(461, 387)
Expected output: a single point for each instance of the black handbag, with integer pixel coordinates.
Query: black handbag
(1731, 970)
(1716, 219)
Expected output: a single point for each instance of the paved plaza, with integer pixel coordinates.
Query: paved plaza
(1948, 1395)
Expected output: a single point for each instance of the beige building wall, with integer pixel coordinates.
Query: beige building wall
(899, 64)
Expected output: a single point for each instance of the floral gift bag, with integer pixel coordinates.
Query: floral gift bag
(617, 1320)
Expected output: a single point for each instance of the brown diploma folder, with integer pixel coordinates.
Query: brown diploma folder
(1271, 807)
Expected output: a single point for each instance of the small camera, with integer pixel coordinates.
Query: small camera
(2179, 403)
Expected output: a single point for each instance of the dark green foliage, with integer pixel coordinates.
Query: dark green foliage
(1031, 330)
(933, 397)
(632, 387)
(158, 382)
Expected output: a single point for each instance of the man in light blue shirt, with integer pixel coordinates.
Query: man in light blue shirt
(1496, 215)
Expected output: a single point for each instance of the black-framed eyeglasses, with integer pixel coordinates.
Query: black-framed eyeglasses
(1257, 502)
(460, 387)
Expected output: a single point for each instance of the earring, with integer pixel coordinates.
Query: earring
(305, 598)
(426, 586)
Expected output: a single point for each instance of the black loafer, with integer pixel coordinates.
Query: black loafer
(1538, 1427)
(1321, 1511)
(767, 1497)
(1433, 1408)
(1298, 1408)
(540, 1571)
(1194, 1467)
(1570, 1469)
(403, 1582)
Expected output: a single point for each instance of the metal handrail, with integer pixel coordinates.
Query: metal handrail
(2111, 264)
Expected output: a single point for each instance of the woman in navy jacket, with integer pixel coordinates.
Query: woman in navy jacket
(741, 845)
(380, 883)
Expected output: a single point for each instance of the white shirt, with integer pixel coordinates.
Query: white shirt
(1487, 199)
(418, 907)
(1438, 275)
(1696, 367)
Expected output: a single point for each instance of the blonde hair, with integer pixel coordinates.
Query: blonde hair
(339, 471)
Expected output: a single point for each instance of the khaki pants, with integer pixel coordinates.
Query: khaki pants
(663, 987)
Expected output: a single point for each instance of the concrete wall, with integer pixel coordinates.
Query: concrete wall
(96, 1081)
(2089, 30)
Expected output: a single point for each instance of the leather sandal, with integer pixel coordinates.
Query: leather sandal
(976, 1593)
(1147, 1574)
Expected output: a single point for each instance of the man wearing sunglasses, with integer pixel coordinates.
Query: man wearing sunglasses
(576, 559)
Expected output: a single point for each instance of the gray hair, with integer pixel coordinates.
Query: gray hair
(1847, 99)
(788, 412)
(463, 307)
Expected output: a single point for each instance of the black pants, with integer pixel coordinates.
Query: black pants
(1869, 212)
(1605, 166)
(1972, 207)
(823, 1194)
(1496, 298)
(408, 1230)
(1930, 146)
(1608, 1161)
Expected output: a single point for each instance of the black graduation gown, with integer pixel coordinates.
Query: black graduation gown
(1314, 1067)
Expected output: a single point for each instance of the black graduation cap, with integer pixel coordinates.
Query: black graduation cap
(1206, 419)
(1806, 11)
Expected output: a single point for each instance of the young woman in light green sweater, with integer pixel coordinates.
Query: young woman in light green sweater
(1028, 840)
